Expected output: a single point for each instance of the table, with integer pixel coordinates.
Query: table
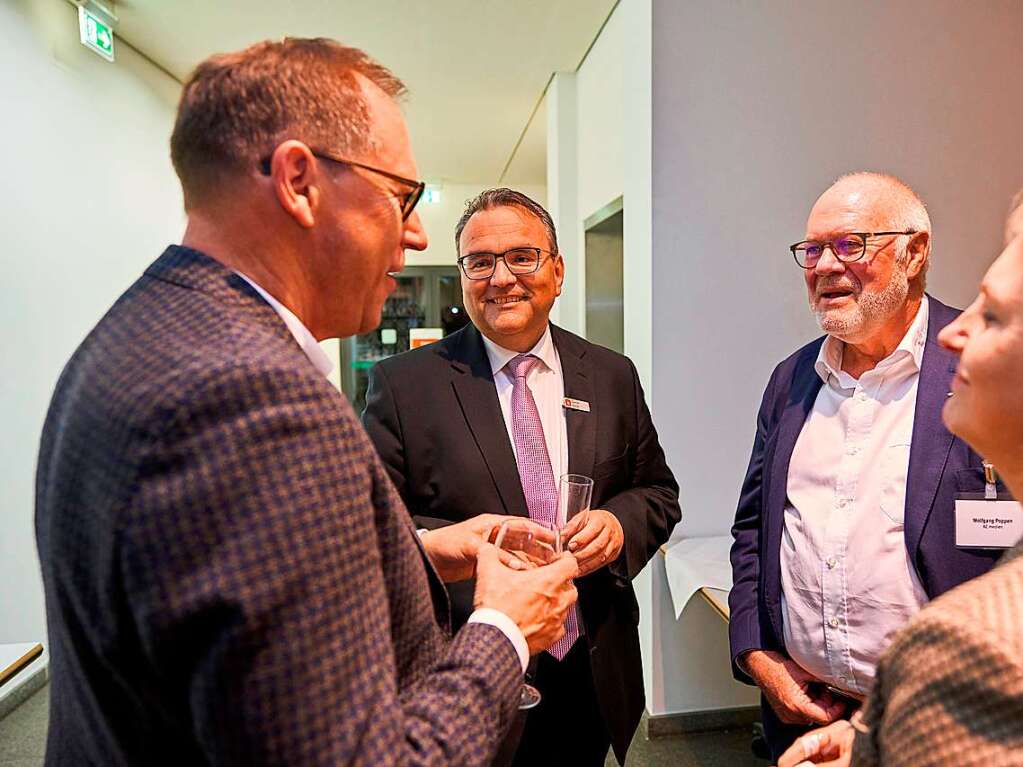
(718, 599)
(15, 658)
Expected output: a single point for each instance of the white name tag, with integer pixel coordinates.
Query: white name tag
(988, 524)
(576, 404)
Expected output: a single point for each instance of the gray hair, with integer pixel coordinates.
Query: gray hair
(499, 198)
(906, 209)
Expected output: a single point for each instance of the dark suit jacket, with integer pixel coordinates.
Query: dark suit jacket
(949, 689)
(435, 418)
(940, 466)
(230, 577)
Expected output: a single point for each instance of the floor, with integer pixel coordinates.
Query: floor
(23, 743)
(23, 732)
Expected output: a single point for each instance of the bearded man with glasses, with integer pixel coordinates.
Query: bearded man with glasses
(845, 526)
(487, 418)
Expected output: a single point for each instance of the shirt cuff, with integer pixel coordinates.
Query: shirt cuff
(507, 626)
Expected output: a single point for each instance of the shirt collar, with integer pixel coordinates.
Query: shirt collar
(911, 347)
(306, 341)
(499, 356)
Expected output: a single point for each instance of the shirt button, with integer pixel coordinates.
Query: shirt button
(843, 681)
(842, 503)
(854, 451)
(834, 623)
(832, 562)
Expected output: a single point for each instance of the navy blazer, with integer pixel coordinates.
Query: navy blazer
(940, 466)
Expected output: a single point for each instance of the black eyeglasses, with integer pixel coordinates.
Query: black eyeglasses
(847, 248)
(481, 266)
(409, 200)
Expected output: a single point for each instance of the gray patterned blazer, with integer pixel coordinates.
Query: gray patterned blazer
(949, 690)
(230, 576)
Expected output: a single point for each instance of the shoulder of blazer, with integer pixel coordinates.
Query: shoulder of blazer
(795, 368)
(801, 360)
(940, 315)
(438, 355)
(606, 359)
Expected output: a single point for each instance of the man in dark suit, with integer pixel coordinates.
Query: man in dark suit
(452, 424)
(844, 528)
(230, 577)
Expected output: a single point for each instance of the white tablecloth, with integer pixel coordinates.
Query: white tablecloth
(692, 563)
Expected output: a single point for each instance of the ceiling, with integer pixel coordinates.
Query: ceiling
(476, 70)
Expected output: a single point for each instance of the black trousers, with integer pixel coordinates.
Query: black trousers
(778, 734)
(566, 728)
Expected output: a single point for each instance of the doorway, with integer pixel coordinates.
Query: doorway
(605, 303)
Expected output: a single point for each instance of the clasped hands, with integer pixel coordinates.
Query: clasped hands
(536, 598)
(454, 549)
(797, 697)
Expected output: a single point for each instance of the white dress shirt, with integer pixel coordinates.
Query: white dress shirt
(322, 363)
(306, 340)
(847, 581)
(547, 384)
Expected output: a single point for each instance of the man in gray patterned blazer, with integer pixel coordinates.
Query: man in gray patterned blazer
(230, 576)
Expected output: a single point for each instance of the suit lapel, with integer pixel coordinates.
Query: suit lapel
(803, 393)
(473, 383)
(580, 426)
(931, 442)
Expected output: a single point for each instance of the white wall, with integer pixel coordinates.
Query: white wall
(89, 199)
(563, 192)
(585, 145)
(601, 116)
(757, 107)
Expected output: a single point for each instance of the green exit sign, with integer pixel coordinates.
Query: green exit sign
(97, 35)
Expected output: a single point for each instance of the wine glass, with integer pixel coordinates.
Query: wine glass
(574, 494)
(536, 546)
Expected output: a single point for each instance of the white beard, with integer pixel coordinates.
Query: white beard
(867, 310)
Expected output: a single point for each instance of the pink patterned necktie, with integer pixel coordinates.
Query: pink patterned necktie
(535, 471)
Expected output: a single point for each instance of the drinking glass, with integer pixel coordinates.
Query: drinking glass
(574, 494)
(536, 546)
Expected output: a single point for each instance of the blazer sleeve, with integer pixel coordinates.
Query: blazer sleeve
(253, 557)
(947, 692)
(649, 509)
(743, 599)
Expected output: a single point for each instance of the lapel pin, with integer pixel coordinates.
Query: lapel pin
(576, 404)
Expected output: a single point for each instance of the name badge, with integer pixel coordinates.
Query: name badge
(988, 524)
(576, 404)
